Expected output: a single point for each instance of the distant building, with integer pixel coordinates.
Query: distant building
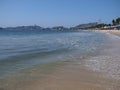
(59, 28)
(116, 27)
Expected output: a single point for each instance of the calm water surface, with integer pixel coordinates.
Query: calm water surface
(23, 49)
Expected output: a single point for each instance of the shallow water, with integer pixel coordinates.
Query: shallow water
(22, 49)
(108, 60)
(27, 55)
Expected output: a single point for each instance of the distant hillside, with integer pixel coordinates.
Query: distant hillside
(85, 26)
(1, 28)
(24, 28)
(35, 27)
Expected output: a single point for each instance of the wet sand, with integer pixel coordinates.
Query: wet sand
(74, 77)
(99, 72)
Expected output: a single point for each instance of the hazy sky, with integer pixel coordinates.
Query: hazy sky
(57, 12)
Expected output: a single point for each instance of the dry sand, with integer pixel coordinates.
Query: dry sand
(115, 32)
(80, 75)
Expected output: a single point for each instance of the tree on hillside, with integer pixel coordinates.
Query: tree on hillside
(113, 22)
(118, 21)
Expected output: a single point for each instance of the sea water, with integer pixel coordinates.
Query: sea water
(21, 50)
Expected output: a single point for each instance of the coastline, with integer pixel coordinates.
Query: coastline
(87, 73)
(76, 76)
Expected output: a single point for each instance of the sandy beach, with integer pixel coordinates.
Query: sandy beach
(115, 32)
(60, 45)
(96, 72)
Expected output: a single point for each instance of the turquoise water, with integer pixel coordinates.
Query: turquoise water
(23, 49)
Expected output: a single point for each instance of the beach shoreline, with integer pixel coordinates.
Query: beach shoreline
(115, 32)
(75, 76)
(87, 73)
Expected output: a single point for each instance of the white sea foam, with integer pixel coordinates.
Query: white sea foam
(109, 59)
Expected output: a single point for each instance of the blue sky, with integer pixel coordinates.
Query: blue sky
(48, 13)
